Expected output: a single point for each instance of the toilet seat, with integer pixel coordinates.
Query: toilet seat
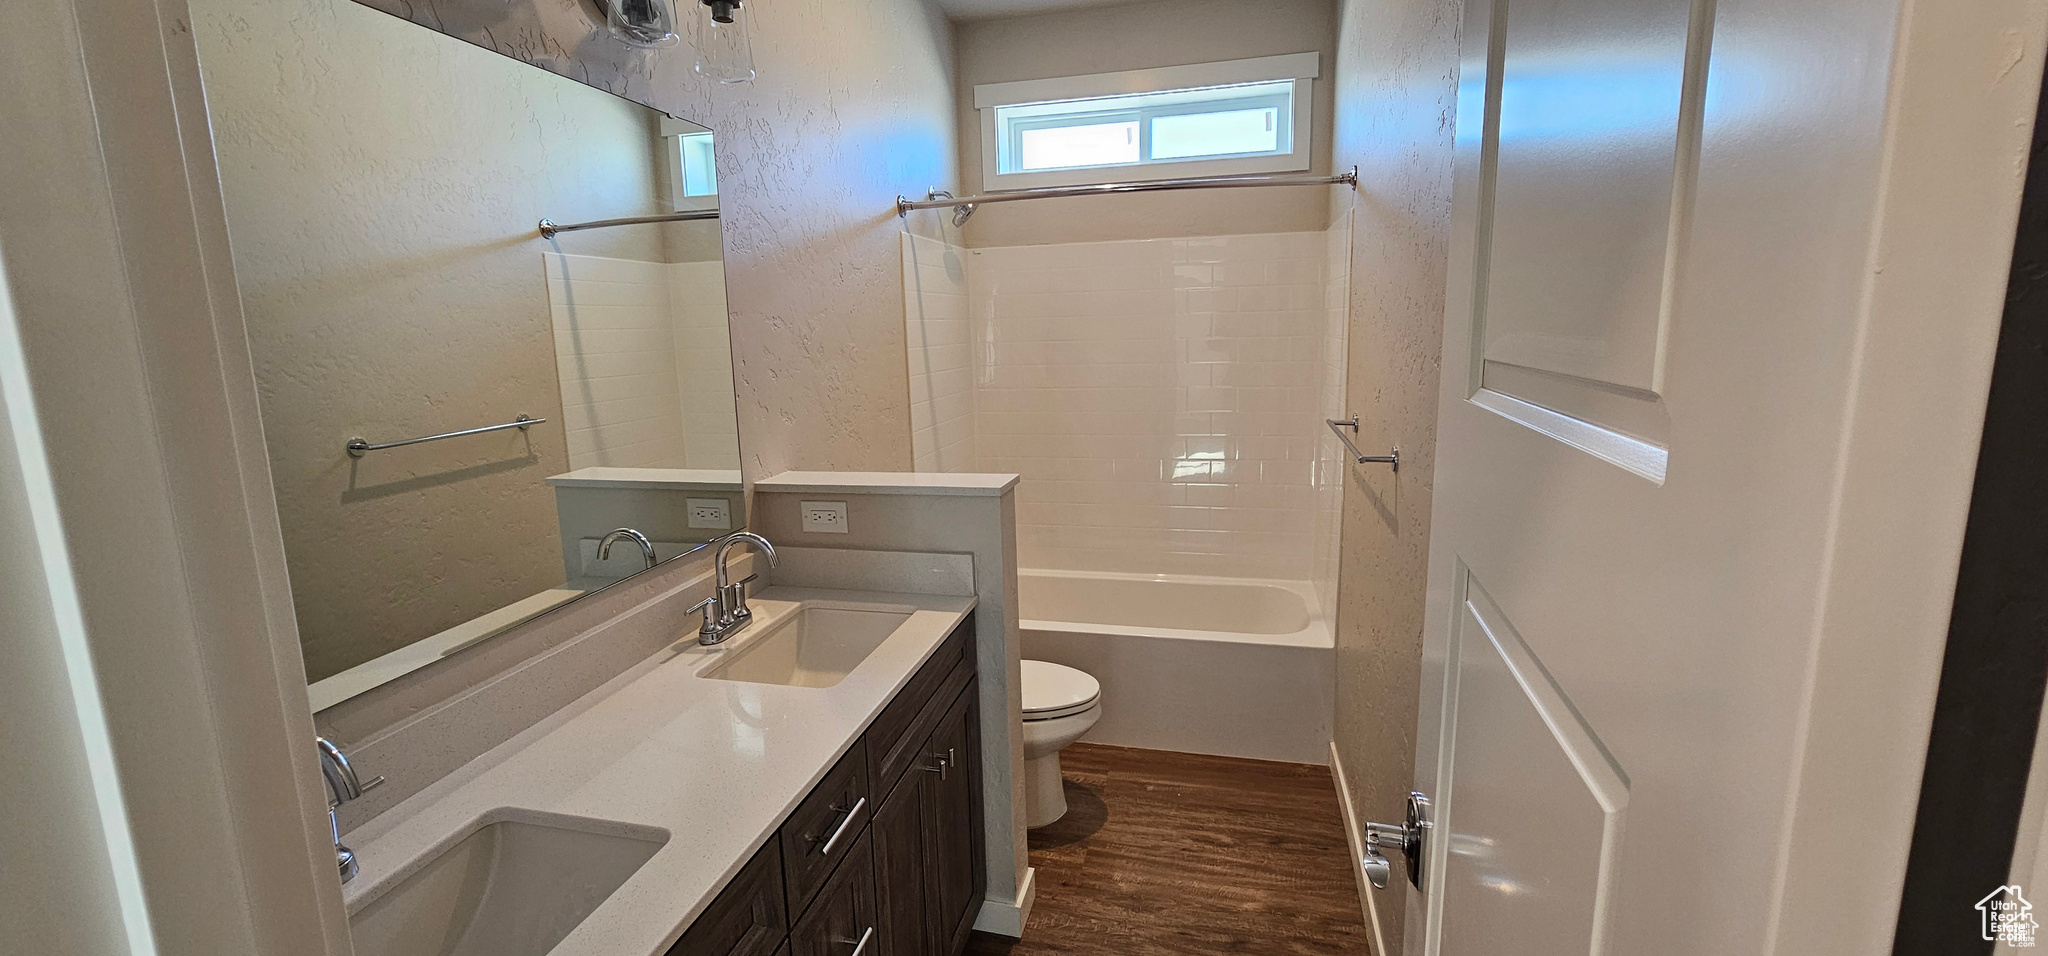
(1052, 691)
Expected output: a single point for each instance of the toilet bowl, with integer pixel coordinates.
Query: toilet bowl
(1060, 704)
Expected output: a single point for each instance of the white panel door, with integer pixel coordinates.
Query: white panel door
(1671, 338)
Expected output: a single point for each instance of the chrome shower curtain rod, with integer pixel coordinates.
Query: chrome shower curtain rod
(940, 199)
(548, 227)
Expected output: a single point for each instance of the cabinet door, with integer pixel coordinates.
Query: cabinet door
(748, 917)
(955, 877)
(841, 920)
(899, 834)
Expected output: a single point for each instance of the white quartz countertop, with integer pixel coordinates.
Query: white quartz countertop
(887, 483)
(715, 763)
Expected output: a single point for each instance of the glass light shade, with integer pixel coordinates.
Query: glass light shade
(724, 52)
(643, 23)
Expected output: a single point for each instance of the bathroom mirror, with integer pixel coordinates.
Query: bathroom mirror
(458, 409)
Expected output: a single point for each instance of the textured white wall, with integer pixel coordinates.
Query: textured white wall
(382, 182)
(1396, 80)
(1140, 36)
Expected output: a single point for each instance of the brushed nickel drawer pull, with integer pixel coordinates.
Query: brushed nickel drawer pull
(845, 824)
(943, 764)
(862, 946)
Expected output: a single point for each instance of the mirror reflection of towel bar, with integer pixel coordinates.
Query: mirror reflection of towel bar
(356, 446)
(1337, 426)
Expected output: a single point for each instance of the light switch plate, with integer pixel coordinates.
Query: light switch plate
(713, 513)
(825, 516)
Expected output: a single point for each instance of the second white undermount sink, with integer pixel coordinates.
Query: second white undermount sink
(813, 646)
(514, 886)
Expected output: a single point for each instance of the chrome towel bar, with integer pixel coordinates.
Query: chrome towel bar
(356, 446)
(1336, 426)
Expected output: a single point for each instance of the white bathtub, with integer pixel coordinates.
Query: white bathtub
(1231, 666)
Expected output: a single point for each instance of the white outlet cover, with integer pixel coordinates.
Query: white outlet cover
(715, 513)
(828, 517)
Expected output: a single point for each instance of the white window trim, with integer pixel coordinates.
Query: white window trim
(1302, 68)
(671, 131)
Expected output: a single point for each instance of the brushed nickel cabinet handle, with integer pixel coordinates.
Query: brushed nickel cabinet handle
(845, 824)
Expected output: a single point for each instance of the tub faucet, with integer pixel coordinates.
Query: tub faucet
(725, 611)
(604, 545)
(342, 786)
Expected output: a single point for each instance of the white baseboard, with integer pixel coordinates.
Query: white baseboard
(1005, 917)
(1354, 836)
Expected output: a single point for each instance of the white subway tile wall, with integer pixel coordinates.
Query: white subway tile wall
(646, 380)
(711, 428)
(936, 337)
(1331, 464)
(1162, 399)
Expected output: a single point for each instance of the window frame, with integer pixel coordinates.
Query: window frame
(672, 132)
(1300, 68)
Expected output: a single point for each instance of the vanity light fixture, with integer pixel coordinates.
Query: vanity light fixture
(649, 24)
(724, 51)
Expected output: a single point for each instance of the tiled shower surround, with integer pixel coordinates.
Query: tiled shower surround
(1163, 399)
(635, 342)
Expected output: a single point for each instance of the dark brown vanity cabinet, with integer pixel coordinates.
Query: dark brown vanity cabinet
(885, 856)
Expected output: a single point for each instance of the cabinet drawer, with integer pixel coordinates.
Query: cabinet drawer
(841, 921)
(749, 917)
(822, 829)
(892, 740)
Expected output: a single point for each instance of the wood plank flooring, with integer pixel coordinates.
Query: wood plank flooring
(1170, 854)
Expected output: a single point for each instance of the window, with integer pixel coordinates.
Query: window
(692, 174)
(1241, 116)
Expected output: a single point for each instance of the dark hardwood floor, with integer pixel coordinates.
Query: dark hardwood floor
(1169, 853)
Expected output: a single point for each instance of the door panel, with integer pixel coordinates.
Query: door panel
(954, 814)
(1593, 145)
(1586, 143)
(1528, 856)
(900, 870)
(1663, 287)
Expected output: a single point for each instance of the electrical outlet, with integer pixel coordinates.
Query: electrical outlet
(825, 516)
(710, 513)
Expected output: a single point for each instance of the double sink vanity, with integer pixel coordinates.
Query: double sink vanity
(810, 787)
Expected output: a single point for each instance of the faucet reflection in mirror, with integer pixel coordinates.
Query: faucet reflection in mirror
(342, 786)
(604, 545)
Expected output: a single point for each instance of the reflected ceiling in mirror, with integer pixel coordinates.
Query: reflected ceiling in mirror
(383, 185)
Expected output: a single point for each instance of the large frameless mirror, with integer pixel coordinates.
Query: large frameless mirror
(458, 409)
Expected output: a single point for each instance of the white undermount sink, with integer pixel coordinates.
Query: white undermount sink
(816, 645)
(515, 886)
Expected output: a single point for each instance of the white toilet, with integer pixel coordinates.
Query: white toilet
(1060, 704)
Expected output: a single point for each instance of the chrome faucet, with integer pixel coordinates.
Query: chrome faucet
(342, 786)
(604, 545)
(725, 611)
